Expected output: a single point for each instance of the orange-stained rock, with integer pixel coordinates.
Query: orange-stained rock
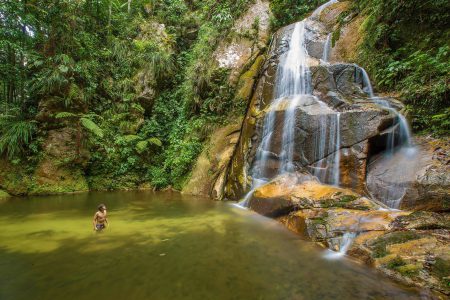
(349, 220)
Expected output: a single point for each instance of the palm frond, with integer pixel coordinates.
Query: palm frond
(15, 134)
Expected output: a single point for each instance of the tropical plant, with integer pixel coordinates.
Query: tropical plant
(15, 134)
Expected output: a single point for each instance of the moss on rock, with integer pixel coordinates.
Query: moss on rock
(4, 195)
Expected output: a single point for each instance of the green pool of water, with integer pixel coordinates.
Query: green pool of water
(166, 246)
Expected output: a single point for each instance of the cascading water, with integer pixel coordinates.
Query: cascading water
(398, 146)
(292, 79)
(319, 10)
(404, 134)
(367, 85)
(327, 49)
(328, 139)
(293, 88)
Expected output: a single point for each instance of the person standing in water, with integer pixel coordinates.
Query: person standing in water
(100, 220)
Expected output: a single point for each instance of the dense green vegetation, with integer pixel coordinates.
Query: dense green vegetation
(136, 83)
(135, 77)
(407, 49)
(289, 11)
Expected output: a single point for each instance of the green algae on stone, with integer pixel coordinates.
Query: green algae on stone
(4, 195)
(379, 246)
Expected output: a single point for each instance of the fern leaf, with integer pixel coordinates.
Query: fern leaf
(141, 146)
(155, 141)
(92, 127)
(65, 114)
(131, 138)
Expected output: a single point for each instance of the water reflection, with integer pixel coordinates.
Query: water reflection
(166, 246)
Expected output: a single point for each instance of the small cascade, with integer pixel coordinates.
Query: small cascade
(328, 137)
(287, 153)
(404, 134)
(367, 85)
(256, 184)
(337, 153)
(398, 147)
(320, 9)
(326, 50)
(346, 242)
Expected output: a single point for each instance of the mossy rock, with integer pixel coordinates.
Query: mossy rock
(103, 182)
(441, 269)
(379, 246)
(409, 269)
(4, 195)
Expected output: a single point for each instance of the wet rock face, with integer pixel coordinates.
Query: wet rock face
(416, 179)
(62, 164)
(300, 191)
(410, 247)
(209, 174)
(337, 88)
(315, 137)
(3, 195)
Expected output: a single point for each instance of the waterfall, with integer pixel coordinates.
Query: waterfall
(367, 85)
(328, 139)
(293, 88)
(346, 242)
(327, 49)
(292, 79)
(319, 10)
(293, 76)
(337, 152)
(398, 146)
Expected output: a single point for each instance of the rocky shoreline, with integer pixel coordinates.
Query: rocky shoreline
(411, 247)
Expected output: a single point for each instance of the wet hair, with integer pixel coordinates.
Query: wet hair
(101, 206)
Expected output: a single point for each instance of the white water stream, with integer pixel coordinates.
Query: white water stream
(292, 90)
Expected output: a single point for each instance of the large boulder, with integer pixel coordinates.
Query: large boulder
(60, 169)
(291, 192)
(416, 178)
(208, 177)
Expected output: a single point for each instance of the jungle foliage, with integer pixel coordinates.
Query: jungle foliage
(135, 76)
(407, 49)
(289, 11)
